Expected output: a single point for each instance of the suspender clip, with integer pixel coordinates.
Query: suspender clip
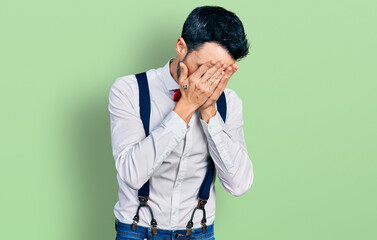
(143, 200)
(188, 227)
(201, 204)
(134, 224)
(204, 228)
(154, 226)
(144, 203)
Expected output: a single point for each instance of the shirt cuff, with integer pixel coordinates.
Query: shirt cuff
(215, 124)
(174, 122)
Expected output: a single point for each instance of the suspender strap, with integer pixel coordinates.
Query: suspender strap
(144, 100)
(145, 112)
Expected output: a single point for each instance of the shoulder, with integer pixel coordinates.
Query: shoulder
(124, 85)
(127, 86)
(128, 83)
(234, 108)
(232, 98)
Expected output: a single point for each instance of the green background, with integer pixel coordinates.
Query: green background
(308, 89)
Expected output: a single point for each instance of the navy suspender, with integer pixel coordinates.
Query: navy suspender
(143, 192)
(145, 112)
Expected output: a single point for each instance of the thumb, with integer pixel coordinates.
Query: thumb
(183, 73)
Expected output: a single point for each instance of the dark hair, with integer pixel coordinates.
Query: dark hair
(215, 24)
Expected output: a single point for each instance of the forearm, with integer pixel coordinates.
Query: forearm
(136, 163)
(230, 156)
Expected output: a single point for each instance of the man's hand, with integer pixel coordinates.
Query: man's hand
(208, 109)
(200, 85)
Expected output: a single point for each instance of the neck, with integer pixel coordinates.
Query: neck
(173, 69)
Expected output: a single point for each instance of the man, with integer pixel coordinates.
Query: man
(185, 127)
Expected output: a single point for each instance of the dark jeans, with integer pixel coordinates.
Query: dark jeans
(124, 232)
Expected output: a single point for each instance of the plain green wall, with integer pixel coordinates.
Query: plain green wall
(308, 89)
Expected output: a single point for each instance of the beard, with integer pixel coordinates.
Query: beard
(179, 67)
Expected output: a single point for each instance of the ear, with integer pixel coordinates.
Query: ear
(181, 48)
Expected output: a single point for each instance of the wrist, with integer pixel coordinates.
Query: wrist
(208, 113)
(184, 110)
(187, 106)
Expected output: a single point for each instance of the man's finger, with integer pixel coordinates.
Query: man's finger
(207, 75)
(229, 72)
(224, 81)
(216, 77)
(203, 68)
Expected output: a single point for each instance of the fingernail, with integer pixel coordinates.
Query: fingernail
(213, 62)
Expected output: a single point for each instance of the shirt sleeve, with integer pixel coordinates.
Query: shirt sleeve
(227, 147)
(136, 156)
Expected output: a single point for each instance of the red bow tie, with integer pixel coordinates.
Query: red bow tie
(177, 95)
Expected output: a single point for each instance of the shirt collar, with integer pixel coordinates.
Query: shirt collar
(169, 81)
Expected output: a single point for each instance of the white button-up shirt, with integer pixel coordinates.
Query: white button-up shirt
(173, 156)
